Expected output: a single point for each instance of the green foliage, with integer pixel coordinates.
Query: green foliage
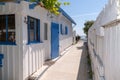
(52, 5)
(87, 25)
(90, 66)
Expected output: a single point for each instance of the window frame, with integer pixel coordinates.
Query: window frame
(7, 42)
(61, 29)
(36, 32)
(66, 30)
(46, 31)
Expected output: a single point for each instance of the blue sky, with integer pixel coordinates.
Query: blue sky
(83, 10)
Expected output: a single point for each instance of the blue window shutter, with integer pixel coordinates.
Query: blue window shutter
(61, 28)
(1, 57)
(35, 29)
(28, 29)
(2, 3)
(66, 30)
(6, 28)
(39, 30)
(26, 0)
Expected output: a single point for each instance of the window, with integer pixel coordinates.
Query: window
(45, 31)
(1, 57)
(33, 30)
(7, 29)
(66, 30)
(61, 30)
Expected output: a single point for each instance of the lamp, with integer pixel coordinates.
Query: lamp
(49, 14)
(25, 20)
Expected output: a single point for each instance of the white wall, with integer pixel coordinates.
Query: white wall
(12, 53)
(23, 59)
(65, 40)
(103, 37)
(34, 55)
(112, 45)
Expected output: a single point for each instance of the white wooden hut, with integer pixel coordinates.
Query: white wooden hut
(29, 35)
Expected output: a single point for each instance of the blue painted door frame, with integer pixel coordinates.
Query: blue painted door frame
(54, 40)
(1, 57)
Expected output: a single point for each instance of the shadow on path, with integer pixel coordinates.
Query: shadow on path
(83, 66)
(80, 47)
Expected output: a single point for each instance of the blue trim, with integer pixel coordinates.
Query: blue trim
(37, 25)
(34, 1)
(66, 30)
(18, 1)
(54, 40)
(26, 0)
(35, 29)
(6, 28)
(0, 61)
(34, 42)
(39, 30)
(32, 6)
(28, 29)
(1, 65)
(61, 31)
(8, 43)
(66, 15)
(1, 57)
(2, 3)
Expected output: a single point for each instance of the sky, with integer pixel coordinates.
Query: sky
(82, 11)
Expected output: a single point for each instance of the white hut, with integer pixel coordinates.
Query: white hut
(29, 36)
(104, 43)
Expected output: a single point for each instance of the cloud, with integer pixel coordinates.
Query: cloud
(87, 14)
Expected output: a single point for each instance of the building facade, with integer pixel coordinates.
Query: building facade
(29, 35)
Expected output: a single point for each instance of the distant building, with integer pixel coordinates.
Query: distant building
(29, 35)
(104, 43)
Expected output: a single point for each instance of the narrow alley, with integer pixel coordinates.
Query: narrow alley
(71, 66)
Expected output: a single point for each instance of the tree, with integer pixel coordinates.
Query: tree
(87, 25)
(51, 5)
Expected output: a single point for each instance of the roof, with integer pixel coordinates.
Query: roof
(31, 6)
(66, 15)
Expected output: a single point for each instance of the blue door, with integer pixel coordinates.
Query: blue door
(54, 40)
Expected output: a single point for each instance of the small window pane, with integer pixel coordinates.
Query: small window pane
(32, 28)
(61, 29)
(36, 30)
(2, 28)
(66, 30)
(11, 22)
(45, 31)
(11, 28)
